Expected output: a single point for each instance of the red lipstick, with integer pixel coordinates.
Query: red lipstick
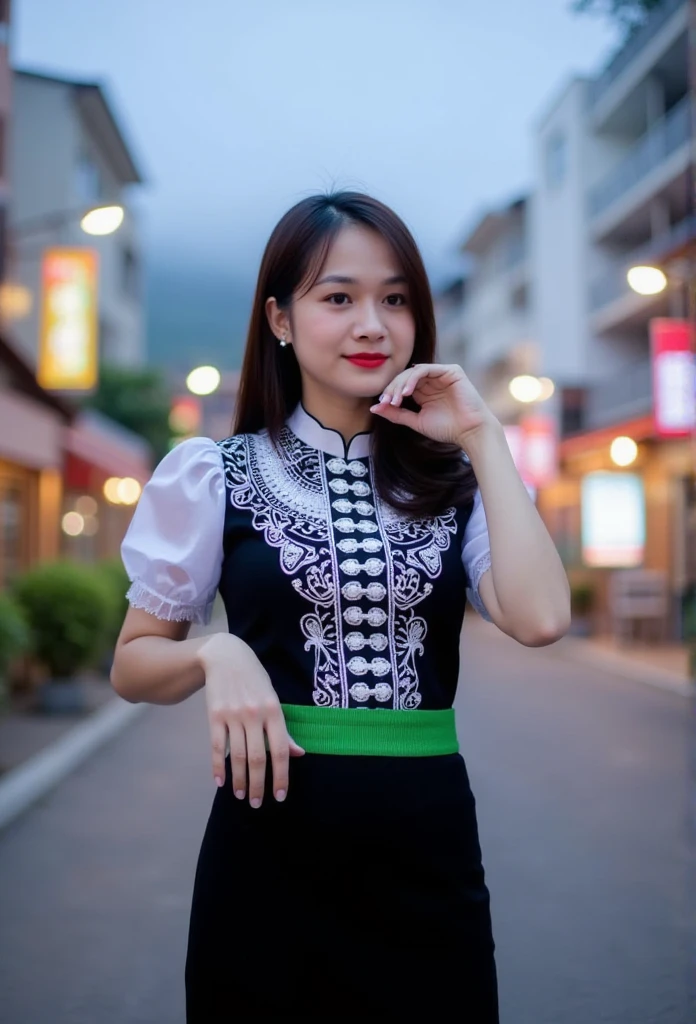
(368, 360)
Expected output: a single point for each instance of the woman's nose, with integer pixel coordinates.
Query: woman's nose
(369, 323)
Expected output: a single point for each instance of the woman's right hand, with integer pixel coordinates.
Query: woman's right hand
(243, 705)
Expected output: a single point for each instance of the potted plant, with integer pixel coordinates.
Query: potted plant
(67, 607)
(582, 599)
(14, 641)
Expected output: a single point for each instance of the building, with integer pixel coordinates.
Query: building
(492, 333)
(5, 106)
(32, 428)
(547, 294)
(68, 154)
(614, 173)
(61, 151)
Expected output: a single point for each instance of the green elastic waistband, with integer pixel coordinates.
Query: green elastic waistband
(367, 732)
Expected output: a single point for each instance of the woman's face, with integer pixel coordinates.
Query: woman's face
(354, 330)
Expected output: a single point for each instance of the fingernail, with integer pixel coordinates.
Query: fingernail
(219, 781)
(240, 794)
(383, 398)
(280, 795)
(394, 400)
(256, 803)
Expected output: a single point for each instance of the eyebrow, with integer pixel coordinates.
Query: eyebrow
(340, 279)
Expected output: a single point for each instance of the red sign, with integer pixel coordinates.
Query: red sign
(674, 377)
(538, 464)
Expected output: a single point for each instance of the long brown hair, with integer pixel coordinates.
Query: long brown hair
(411, 472)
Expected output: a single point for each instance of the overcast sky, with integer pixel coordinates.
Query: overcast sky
(237, 110)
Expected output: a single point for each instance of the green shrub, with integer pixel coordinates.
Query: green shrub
(116, 580)
(68, 608)
(14, 639)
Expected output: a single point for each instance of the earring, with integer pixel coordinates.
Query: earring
(283, 342)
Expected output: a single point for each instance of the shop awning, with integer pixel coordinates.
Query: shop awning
(96, 448)
(640, 429)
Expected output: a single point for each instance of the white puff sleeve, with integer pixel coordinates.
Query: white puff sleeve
(476, 554)
(173, 549)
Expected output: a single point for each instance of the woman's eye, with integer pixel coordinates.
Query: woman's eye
(396, 300)
(337, 299)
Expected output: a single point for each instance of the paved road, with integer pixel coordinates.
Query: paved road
(585, 788)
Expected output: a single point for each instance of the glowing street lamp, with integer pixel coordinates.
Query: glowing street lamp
(528, 389)
(647, 280)
(102, 220)
(204, 380)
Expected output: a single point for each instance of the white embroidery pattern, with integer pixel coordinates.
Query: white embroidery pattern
(291, 493)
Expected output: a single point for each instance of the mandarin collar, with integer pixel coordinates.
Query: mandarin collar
(316, 435)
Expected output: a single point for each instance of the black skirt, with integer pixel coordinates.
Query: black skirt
(362, 894)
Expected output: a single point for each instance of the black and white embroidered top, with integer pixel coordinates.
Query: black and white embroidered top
(346, 602)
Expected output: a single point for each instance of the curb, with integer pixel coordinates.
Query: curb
(24, 785)
(572, 649)
(609, 661)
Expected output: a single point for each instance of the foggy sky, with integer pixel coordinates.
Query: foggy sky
(237, 110)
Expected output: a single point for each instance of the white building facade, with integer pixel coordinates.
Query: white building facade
(494, 333)
(614, 161)
(67, 154)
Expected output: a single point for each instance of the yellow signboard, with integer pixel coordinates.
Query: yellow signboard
(68, 349)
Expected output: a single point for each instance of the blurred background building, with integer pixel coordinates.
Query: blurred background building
(583, 358)
(547, 298)
(62, 154)
(68, 154)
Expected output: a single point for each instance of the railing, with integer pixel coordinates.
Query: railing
(622, 395)
(613, 285)
(633, 46)
(670, 132)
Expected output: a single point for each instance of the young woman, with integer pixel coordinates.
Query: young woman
(365, 492)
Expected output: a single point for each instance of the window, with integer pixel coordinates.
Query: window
(556, 159)
(88, 177)
(130, 273)
(14, 518)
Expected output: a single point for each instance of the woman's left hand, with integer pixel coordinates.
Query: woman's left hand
(451, 409)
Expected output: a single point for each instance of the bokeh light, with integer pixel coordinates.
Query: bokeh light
(203, 380)
(73, 524)
(623, 451)
(128, 490)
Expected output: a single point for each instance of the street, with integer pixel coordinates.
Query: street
(585, 791)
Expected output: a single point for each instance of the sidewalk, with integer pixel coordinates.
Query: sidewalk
(38, 751)
(25, 732)
(663, 666)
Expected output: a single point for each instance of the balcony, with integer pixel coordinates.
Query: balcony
(634, 48)
(655, 147)
(620, 397)
(610, 296)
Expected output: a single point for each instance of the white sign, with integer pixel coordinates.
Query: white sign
(613, 520)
